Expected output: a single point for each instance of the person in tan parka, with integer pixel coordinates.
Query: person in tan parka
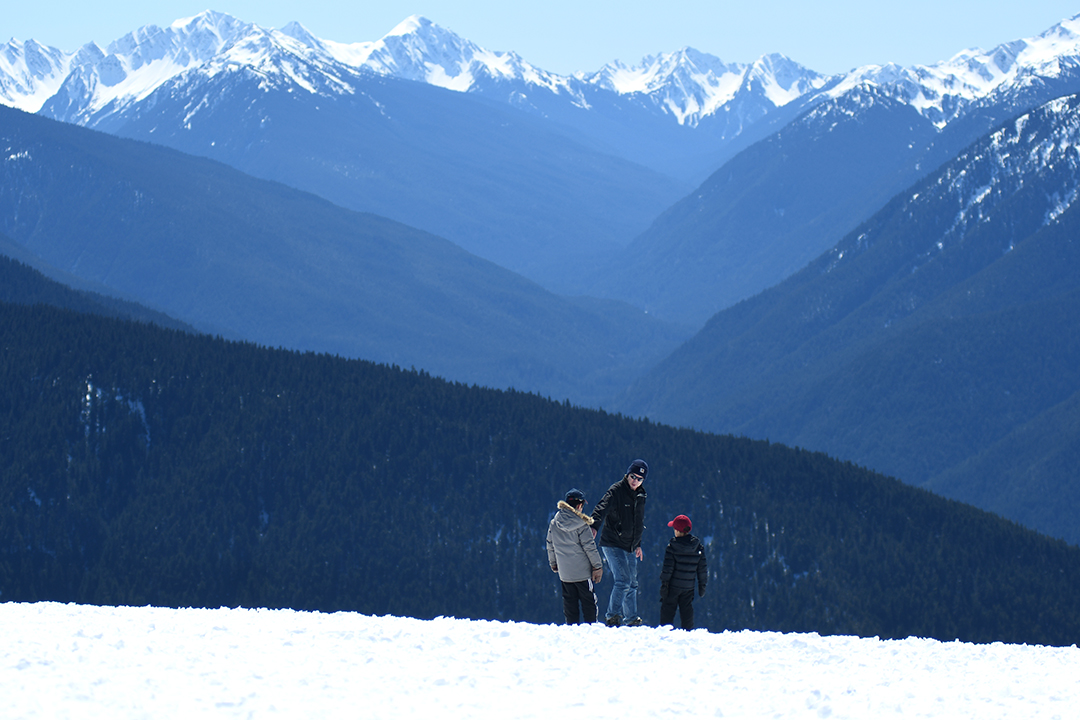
(573, 555)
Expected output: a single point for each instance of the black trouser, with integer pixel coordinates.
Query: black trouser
(575, 593)
(684, 601)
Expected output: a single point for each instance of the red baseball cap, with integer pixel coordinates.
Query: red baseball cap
(681, 523)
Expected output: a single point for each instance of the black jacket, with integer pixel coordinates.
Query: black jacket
(622, 511)
(685, 567)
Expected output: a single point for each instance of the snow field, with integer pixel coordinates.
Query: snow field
(71, 661)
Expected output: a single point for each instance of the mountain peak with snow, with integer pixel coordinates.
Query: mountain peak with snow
(654, 71)
(299, 32)
(413, 25)
(207, 19)
(686, 85)
(943, 90)
(134, 65)
(691, 85)
(30, 73)
(419, 49)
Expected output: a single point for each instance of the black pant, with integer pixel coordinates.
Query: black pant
(579, 592)
(684, 601)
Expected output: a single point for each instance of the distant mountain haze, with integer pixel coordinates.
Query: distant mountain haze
(775, 206)
(937, 336)
(548, 175)
(264, 262)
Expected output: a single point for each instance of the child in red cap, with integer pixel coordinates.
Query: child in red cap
(685, 570)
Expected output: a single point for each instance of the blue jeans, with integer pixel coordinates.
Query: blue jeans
(623, 567)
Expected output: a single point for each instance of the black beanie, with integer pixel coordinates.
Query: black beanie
(640, 467)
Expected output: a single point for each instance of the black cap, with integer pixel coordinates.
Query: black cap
(575, 496)
(640, 467)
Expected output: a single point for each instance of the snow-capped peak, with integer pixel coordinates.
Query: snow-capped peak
(656, 71)
(690, 84)
(418, 49)
(135, 65)
(300, 33)
(31, 73)
(414, 25)
(784, 80)
(943, 90)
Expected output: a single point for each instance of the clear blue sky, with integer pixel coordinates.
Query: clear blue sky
(564, 36)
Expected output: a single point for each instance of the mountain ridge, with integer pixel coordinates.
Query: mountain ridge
(927, 337)
(270, 264)
(687, 84)
(680, 115)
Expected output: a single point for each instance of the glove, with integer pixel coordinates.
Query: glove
(701, 591)
(597, 574)
(554, 568)
(663, 594)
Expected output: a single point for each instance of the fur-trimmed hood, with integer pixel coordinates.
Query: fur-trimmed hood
(563, 505)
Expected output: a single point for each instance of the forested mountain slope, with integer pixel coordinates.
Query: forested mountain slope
(773, 208)
(142, 465)
(938, 335)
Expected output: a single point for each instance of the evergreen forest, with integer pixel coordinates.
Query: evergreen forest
(148, 465)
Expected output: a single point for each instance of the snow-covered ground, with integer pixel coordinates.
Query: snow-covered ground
(71, 661)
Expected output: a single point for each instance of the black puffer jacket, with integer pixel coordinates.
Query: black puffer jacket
(622, 510)
(685, 567)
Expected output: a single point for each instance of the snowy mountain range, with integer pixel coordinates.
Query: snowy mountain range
(553, 196)
(679, 116)
(945, 90)
(686, 86)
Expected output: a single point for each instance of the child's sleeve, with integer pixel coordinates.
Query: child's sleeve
(552, 560)
(702, 572)
(668, 569)
(588, 545)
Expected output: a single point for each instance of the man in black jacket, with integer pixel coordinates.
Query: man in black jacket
(622, 511)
